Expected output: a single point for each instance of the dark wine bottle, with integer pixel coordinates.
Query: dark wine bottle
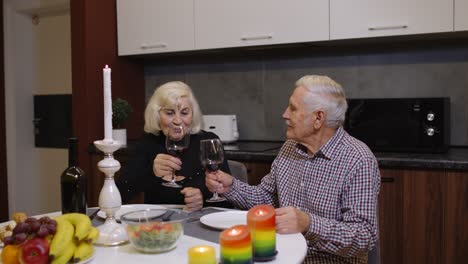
(73, 182)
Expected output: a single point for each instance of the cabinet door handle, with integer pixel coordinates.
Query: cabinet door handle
(256, 37)
(153, 46)
(388, 27)
(387, 179)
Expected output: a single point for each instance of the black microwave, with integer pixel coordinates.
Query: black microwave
(401, 124)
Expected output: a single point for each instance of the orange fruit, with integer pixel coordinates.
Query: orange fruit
(10, 254)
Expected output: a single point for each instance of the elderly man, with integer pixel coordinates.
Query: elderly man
(324, 183)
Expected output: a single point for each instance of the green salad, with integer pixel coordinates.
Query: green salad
(154, 237)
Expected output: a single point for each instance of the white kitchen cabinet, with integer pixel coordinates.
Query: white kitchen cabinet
(227, 23)
(461, 15)
(154, 26)
(372, 18)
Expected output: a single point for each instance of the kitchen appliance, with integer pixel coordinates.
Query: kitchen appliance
(400, 124)
(225, 126)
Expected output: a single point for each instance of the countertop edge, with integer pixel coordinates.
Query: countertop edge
(456, 158)
(385, 160)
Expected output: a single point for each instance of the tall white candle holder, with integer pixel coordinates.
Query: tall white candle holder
(111, 233)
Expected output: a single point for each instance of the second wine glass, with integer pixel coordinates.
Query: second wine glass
(211, 157)
(177, 141)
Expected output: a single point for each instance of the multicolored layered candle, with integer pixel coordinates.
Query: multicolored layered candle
(236, 246)
(261, 222)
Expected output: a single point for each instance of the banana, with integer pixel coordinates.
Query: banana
(83, 252)
(92, 235)
(66, 255)
(62, 238)
(81, 222)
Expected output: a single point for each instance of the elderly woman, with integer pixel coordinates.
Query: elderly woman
(172, 104)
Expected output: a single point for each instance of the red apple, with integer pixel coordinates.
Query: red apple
(35, 251)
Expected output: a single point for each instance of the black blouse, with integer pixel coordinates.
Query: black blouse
(138, 174)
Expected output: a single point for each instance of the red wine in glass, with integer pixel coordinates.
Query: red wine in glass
(211, 157)
(176, 151)
(177, 141)
(211, 166)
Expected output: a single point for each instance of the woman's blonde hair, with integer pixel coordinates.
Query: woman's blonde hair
(327, 95)
(168, 96)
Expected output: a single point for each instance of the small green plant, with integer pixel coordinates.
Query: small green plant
(121, 110)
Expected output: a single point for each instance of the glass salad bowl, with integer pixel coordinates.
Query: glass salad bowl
(154, 230)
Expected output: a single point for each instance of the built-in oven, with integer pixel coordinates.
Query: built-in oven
(401, 124)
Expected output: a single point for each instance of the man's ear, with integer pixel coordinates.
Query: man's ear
(319, 119)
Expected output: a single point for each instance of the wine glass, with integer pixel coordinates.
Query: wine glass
(212, 156)
(177, 141)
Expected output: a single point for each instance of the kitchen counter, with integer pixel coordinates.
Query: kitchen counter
(456, 158)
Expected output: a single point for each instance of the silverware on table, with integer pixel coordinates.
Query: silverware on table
(194, 219)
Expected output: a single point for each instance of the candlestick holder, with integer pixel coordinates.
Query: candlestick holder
(111, 233)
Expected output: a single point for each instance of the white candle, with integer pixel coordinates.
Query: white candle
(107, 104)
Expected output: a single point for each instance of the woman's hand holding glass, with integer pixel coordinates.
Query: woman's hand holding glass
(164, 165)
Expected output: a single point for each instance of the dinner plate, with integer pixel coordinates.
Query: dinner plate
(223, 220)
(131, 207)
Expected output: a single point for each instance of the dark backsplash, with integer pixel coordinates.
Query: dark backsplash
(257, 88)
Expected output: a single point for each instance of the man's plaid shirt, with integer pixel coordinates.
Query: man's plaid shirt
(338, 187)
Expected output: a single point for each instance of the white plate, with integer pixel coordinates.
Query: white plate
(131, 207)
(223, 220)
(6, 223)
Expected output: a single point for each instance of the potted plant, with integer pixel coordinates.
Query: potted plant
(121, 110)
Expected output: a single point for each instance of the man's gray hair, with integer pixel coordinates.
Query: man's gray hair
(323, 93)
(168, 96)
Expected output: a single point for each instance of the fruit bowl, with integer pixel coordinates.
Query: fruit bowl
(154, 230)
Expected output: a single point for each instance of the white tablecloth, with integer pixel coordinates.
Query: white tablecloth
(291, 249)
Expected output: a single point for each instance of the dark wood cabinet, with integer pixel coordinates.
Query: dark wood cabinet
(390, 216)
(411, 214)
(455, 228)
(422, 216)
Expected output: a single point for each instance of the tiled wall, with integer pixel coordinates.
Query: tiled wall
(257, 88)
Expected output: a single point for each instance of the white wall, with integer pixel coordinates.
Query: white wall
(37, 61)
(53, 67)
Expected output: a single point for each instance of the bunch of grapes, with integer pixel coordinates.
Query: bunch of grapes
(30, 228)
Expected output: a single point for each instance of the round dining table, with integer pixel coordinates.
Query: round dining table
(292, 248)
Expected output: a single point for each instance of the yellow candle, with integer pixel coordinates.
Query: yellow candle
(202, 255)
